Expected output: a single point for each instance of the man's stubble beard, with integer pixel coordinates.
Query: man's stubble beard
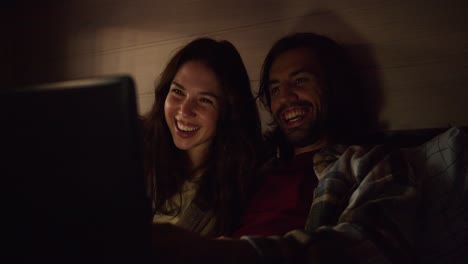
(305, 135)
(308, 133)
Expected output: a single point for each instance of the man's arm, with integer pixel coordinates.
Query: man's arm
(172, 244)
(363, 211)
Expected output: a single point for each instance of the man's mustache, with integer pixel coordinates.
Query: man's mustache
(283, 107)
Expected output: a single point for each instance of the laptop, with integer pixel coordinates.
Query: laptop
(72, 173)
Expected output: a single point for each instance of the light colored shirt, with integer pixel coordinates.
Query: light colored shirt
(190, 217)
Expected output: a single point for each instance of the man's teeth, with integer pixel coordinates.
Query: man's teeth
(294, 115)
(186, 128)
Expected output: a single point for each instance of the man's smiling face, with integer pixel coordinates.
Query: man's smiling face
(297, 95)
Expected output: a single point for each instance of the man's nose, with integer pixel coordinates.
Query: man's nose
(287, 93)
(187, 108)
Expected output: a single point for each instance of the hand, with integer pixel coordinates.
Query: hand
(172, 244)
(224, 238)
(168, 233)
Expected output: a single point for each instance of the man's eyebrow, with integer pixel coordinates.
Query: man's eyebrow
(292, 74)
(274, 81)
(302, 70)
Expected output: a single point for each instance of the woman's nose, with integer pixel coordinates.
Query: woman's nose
(187, 108)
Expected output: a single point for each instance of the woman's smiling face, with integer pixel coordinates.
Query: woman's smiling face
(192, 107)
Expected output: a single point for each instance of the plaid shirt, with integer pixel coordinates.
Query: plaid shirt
(365, 210)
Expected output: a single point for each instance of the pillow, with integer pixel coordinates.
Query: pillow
(441, 167)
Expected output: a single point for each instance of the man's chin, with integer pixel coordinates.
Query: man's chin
(304, 137)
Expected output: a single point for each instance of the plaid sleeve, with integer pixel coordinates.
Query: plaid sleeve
(363, 212)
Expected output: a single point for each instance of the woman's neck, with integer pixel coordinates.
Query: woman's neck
(197, 158)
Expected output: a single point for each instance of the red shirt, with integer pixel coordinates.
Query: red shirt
(282, 202)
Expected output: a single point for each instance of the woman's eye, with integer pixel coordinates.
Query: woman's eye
(177, 91)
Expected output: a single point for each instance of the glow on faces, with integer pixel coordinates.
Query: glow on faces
(296, 93)
(192, 108)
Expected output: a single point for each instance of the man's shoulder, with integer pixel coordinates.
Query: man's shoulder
(330, 155)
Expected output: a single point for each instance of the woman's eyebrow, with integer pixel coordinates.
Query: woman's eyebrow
(201, 93)
(178, 85)
(210, 94)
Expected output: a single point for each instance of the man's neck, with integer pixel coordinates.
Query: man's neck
(312, 147)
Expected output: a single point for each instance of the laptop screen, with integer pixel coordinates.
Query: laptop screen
(72, 165)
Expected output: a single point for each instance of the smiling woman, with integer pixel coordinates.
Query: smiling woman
(192, 109)
(202, 137)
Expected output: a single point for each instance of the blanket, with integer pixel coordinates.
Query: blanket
(382, 205)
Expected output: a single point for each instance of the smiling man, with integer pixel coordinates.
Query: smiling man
(296, 89)
(339, 201)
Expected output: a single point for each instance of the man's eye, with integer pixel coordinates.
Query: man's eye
(301, 80)
(206, 100)
(274, 90)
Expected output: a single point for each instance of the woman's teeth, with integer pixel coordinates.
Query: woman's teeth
(186, 128)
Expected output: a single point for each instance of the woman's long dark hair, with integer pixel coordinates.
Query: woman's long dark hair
(233, 154)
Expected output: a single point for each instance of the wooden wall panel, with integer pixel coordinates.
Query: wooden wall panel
(151, 21)
(428, 95)
(414, 52)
